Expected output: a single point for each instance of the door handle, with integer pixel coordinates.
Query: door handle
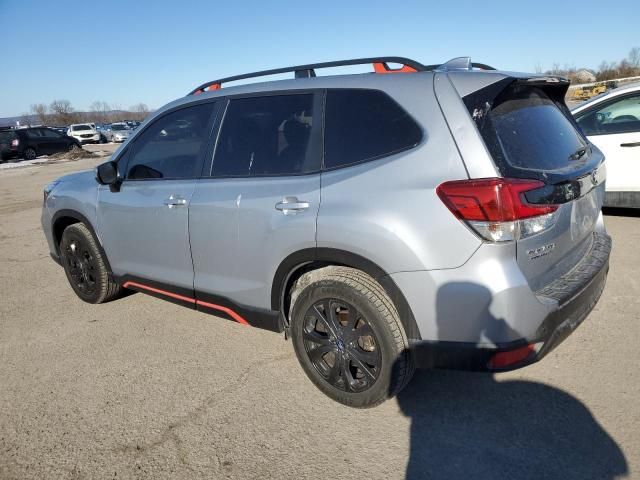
(632, 144)
(291, 205)
(175, 201)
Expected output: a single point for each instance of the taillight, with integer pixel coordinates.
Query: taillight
(14, 143)
(496, 208)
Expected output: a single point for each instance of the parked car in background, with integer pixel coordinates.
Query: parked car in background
(117, 132)
(28, 143)
(611, 121)
(102, 129)
(84, 132)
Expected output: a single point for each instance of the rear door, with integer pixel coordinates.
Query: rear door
(614, 127)
(145, 225)
(532, 135)
(261, 199)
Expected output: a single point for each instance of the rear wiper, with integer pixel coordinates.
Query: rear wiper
(578, 154)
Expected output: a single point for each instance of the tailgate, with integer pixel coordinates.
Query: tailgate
(531, 134)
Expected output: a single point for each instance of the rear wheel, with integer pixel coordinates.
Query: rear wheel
(73, 147)
(348, 337)
(29, 154)
(85, 265)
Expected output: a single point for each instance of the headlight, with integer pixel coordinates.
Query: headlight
(49, 188)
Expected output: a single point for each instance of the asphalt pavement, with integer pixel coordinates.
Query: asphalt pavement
(142, 388)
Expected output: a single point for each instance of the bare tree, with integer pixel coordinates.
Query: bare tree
(538, 67)
(140, 111)
(39, 110)
(100, 112)
(62, 112)
(25, 120)
(634, 57)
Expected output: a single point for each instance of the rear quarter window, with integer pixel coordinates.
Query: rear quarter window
(364, 125)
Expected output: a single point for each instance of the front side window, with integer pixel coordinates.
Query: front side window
(620, 116)
(272, 135)
(363, 125)
(172, 146)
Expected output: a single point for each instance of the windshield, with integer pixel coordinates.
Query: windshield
(76, 128)
(119, 127)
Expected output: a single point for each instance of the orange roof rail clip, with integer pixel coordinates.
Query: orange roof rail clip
(382, 67)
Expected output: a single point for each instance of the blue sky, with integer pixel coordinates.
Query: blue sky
(126, 52)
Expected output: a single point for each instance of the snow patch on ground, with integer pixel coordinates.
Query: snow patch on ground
(23, 163)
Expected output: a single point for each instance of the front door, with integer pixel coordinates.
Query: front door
(145, 225)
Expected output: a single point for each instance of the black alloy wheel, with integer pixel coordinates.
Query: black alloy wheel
(30, 154)
(81, 265)
(341, 345)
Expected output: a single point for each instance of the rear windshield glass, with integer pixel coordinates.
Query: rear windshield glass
(528, 130)
(6, 136)
(81, 127)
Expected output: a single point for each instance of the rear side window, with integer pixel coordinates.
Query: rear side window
(363, 125)
(272, 135)
(528, 130)
(34, 133)
(172, 146)
(48, 133)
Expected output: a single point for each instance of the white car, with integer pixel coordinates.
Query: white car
(84, 132)
(611, 121)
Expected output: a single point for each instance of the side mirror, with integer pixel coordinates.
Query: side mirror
(107, 174)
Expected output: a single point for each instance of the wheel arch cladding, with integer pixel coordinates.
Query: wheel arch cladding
(63, 218)
(300, 262)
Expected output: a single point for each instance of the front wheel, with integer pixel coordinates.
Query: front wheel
(348, 337)
(85, 266)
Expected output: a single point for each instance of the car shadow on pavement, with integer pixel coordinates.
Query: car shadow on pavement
(469, 425)
(621, 212)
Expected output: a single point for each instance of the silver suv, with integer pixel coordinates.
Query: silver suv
(430, 216)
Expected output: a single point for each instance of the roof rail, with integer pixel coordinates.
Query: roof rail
(380, 65)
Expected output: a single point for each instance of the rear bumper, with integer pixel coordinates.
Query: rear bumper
(571, 298)
(7, 154)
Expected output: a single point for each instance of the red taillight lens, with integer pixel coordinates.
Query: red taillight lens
(491, 199)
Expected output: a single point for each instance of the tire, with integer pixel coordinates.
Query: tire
(29, 154)
(367, 360)
(85, 266)
(74, 147)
